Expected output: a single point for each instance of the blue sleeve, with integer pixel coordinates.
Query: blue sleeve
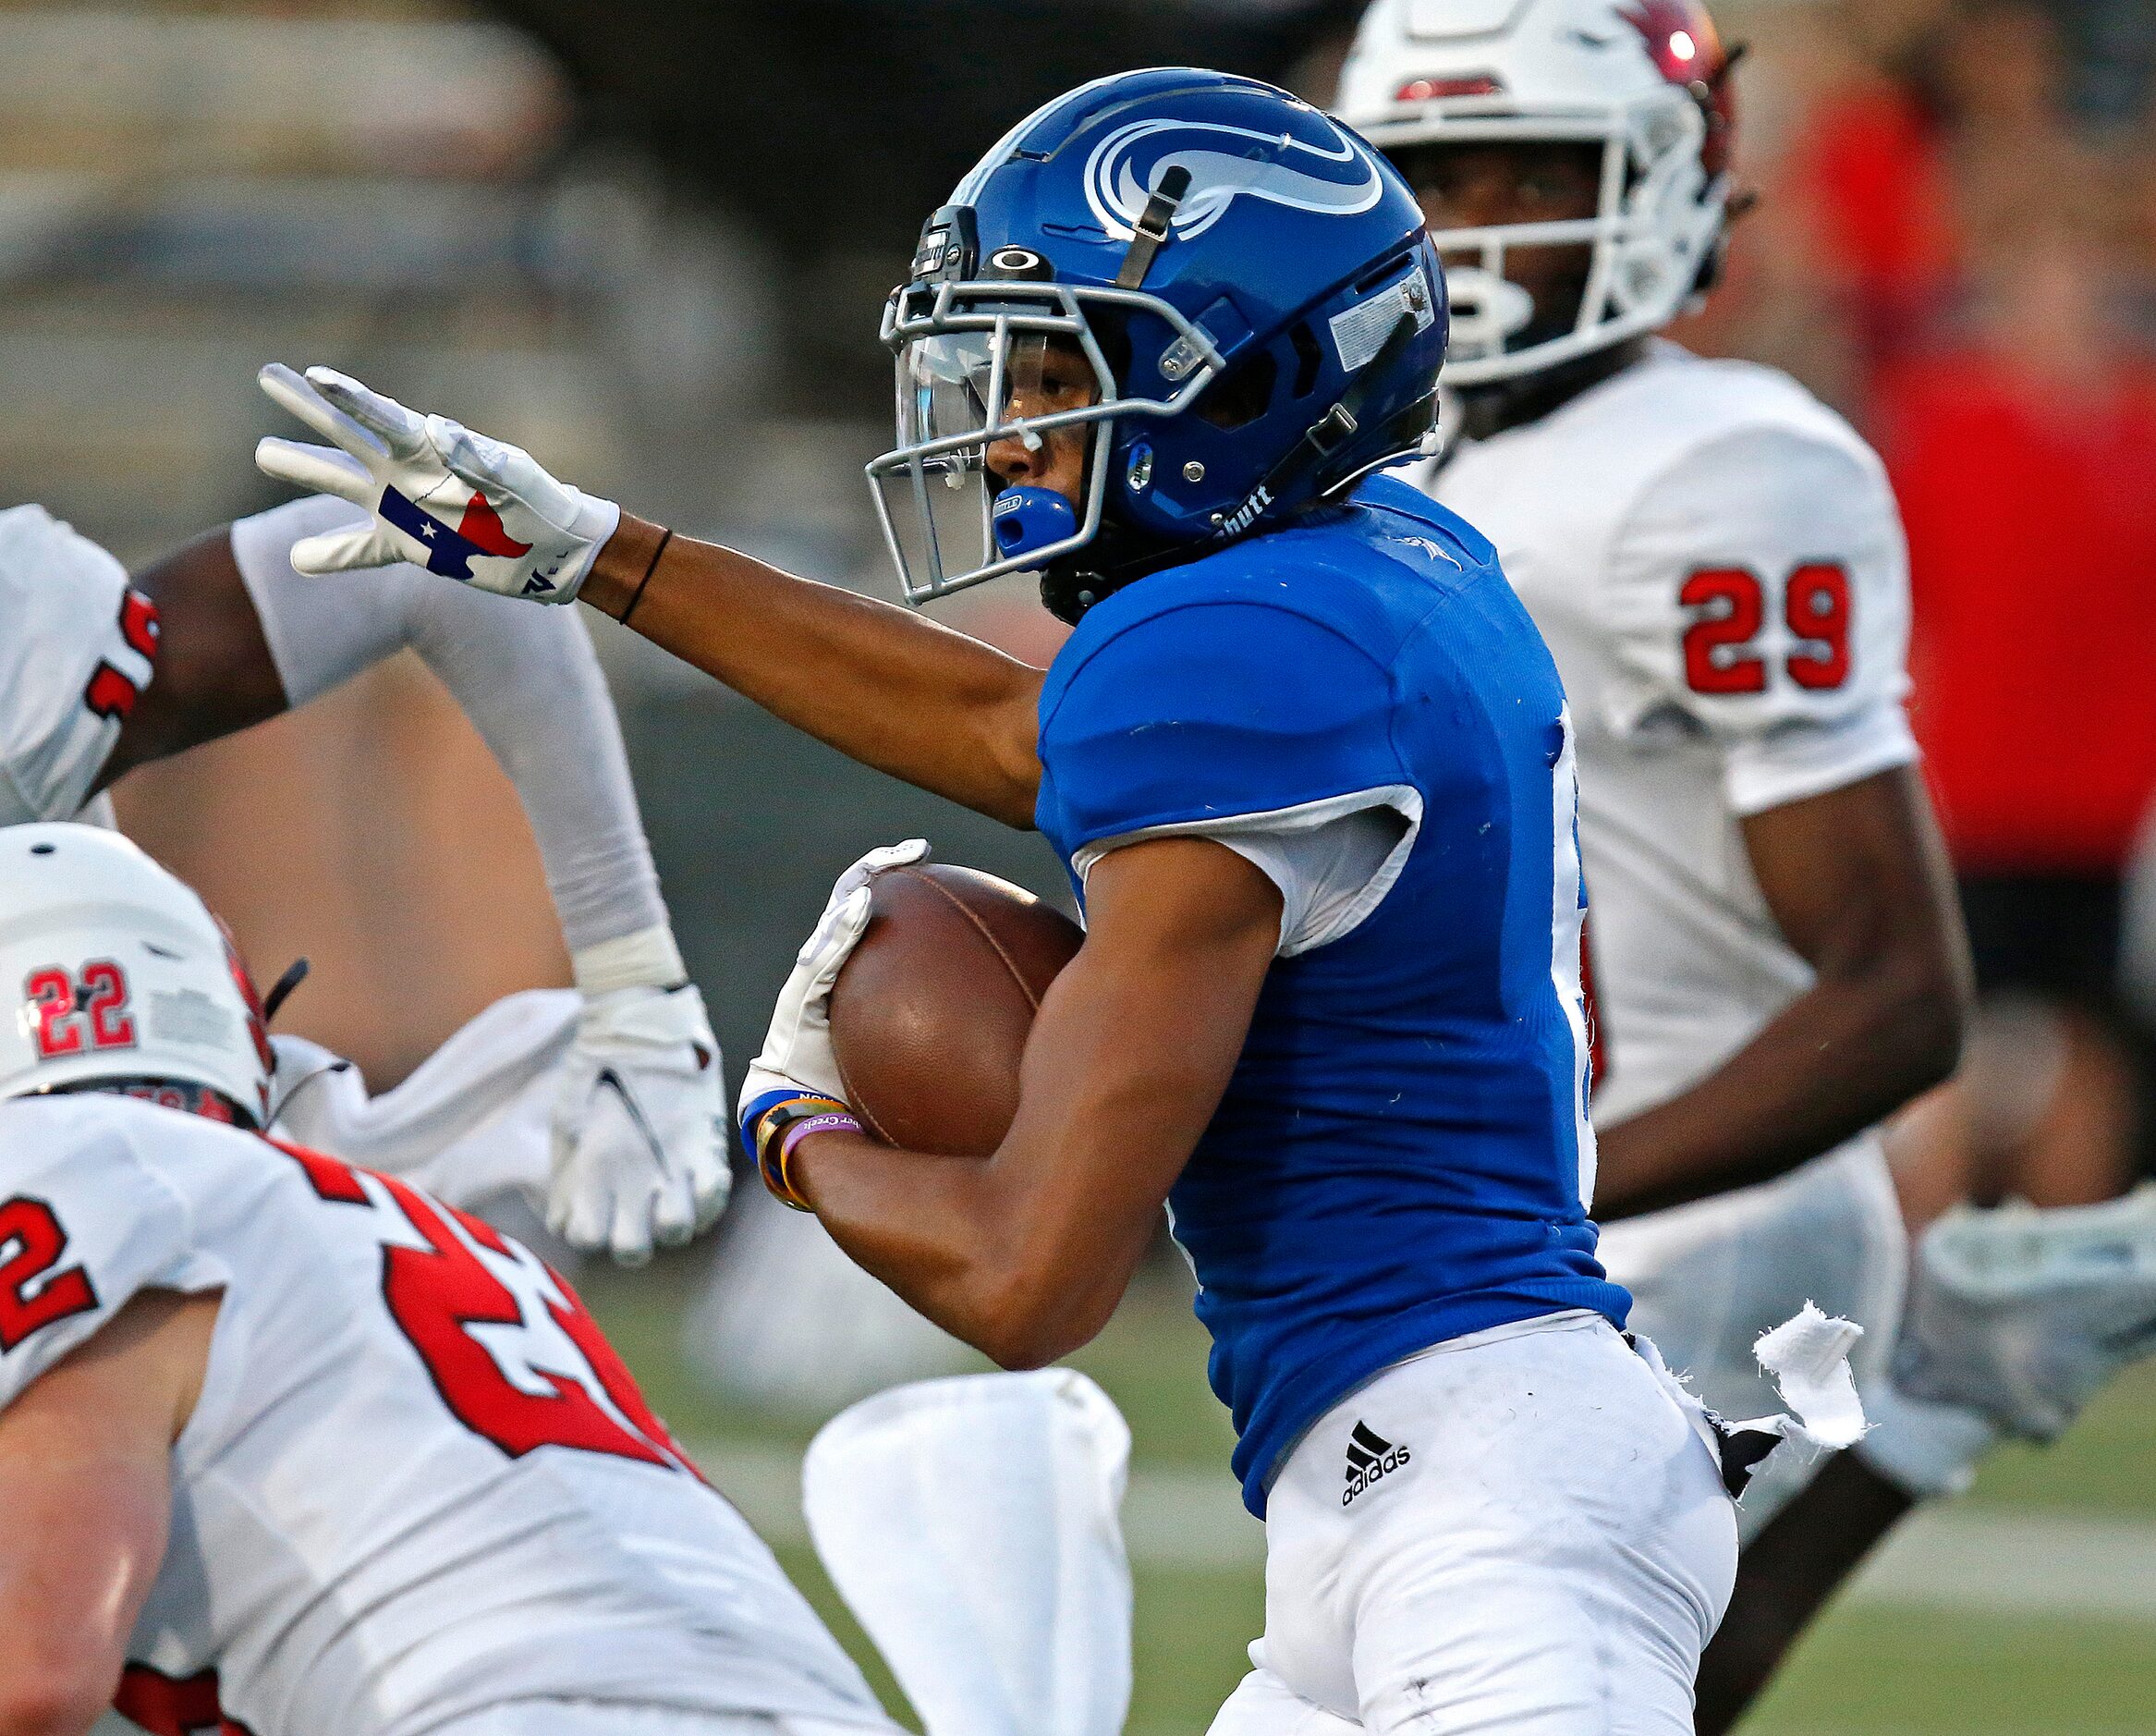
(1210, 711)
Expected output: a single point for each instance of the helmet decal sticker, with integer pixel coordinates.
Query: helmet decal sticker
(1127, 165)
(1360, 332)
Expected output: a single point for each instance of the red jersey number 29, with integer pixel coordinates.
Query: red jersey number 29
(1730, 608)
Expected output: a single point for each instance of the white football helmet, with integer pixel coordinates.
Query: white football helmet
(1648, 79)
(118, 970)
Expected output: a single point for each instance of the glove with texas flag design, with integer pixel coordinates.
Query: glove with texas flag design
(441, 496)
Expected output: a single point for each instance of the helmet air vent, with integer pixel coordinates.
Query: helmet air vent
(1309, 359)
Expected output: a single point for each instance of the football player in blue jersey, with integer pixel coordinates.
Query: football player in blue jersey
(1309, 766)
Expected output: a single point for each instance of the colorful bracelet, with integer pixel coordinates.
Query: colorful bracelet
(834, 1121)
(773, 1145)
(785, 1112)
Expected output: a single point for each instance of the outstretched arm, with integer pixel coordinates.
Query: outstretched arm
(1025, 1253)
(879, 683)
(214, 675)
(244, 636)
(1858, 880)
(86, 1482)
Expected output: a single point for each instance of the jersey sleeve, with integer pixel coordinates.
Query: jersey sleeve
(85, 1225)
(77, 649)
(1332, 861)
(1219, 719)
(469, 1125)
(1757, 593)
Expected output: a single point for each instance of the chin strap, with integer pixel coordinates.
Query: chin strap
(1151, 230)
(1322, 439)
(281, 991)
(1069, 591)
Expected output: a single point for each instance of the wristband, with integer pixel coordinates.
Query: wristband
(764, 1133)
(781, 1182)
(648, 958)
(776, 1177)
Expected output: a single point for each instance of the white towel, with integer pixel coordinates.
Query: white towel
(972, 1525)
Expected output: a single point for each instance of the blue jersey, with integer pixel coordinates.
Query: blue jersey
(1402, 1150)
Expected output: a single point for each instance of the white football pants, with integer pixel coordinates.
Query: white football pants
(1706, 1279)
(1545, 1547)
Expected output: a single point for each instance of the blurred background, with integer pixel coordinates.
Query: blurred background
(650, 241)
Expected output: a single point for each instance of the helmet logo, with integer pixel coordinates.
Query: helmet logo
(1128, 164)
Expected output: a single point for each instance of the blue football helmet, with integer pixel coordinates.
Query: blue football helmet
(1236, 298)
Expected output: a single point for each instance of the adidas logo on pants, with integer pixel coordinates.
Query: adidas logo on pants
(1369, 1456)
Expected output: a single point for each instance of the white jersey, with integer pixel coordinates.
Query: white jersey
(77, 649)
(417, 1484)
(1717, 564)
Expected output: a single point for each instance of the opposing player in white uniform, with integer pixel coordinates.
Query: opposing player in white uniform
(619, 1082)
(289, 1445)
(1717, 563)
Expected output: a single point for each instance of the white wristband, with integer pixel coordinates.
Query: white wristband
(648, 958)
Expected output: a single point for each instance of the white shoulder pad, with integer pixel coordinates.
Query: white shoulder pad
(85, 1223)
(78, 649)
(1755, 587)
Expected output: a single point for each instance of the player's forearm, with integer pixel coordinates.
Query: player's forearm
(530, 683)
(1016, 1255)
(947, 1236)
(214, 673)
(86, 1483)
(71, 1581)
(881, 684)
(1838, 1059)
(1025, 1255)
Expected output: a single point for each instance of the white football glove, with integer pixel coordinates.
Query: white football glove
(640, 1125)
(442, 496)
(796, 1060)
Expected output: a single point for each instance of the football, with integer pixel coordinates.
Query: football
(929, 1016)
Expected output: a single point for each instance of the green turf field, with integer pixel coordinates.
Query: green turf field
(1871, 1666)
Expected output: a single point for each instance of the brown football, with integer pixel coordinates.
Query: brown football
(931, 1014)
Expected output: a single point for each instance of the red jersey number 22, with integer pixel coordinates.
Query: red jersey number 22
(575, 1393)
(33, 1295)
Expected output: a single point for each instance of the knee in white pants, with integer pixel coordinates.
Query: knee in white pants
(1263, 1704)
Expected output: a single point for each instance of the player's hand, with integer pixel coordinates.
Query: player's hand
(798, 1070)
(640, 1125)
(441, 496)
